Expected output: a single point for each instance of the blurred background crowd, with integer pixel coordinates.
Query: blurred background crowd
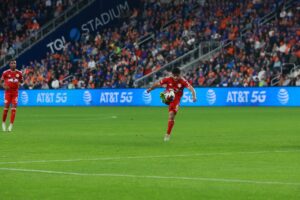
(115, 57)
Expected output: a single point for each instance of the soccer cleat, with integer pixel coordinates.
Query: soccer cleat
(163, 98)
(3, 126)
(10, 127)
(167, 137)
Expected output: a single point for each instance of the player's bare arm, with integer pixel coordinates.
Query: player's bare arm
(191, 88)
(155, 85)
(5, 87)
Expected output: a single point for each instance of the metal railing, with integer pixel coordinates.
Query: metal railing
(203, 48)
(293, 72)
(151, 36)
(287, 5)
(275, 81)
(206, 56)
(46, 29)
(148, 79)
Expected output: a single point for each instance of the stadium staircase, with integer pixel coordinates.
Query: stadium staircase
(200, 53)
(289, 70)
(151, 36)
(48, 28)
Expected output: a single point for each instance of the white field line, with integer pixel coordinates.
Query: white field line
(203, 179)
(146, 157)
(70, 119)
(66, 115)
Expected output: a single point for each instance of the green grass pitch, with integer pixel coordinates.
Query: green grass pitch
(119, 153)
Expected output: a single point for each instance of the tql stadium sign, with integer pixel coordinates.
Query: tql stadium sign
(98, 15)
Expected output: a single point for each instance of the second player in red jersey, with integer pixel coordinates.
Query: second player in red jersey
(11, 80)
(176, 83)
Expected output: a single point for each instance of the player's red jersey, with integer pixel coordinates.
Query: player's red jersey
(177, 85)
(12, 79)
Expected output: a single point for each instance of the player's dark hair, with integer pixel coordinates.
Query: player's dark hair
(176, 71)
(12, 60)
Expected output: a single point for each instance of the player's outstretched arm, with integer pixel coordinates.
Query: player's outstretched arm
(5, 87)
(191, 88)
(155, 85)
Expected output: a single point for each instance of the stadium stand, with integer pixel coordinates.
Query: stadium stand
(22, 19)
(256, 58)
(114, 58)
(100, 61)
(270, 39)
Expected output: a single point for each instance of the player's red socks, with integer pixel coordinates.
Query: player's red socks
(4, 116)
(170, 126)
(13, 115)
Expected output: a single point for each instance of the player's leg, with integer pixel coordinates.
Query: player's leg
(171, 123)
(4, 116)
(13, 111)
(12, 117)
(173, 108)
(7, 101)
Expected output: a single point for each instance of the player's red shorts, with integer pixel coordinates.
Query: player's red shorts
(174, 105)
(11, 98)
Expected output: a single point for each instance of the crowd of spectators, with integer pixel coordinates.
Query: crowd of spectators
(256, 58)
(113, 58)
(20, 20)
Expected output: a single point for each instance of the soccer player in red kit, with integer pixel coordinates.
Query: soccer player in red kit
(11, 79)
(176, 83)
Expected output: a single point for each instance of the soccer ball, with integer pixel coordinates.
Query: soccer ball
(169, 95)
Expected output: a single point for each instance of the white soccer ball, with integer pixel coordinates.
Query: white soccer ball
(169, 95)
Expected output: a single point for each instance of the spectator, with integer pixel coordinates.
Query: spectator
(21, 19)
(115, 57)
(298, 81)
(55, 83)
